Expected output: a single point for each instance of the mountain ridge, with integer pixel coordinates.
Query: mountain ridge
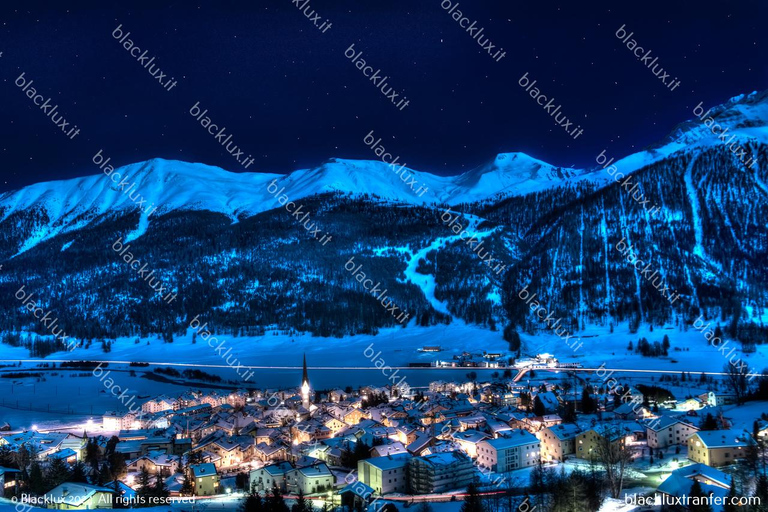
(239, 258)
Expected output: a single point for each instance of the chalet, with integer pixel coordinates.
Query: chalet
(263, 479)
(717, 399)
(155, 463)
(310, 479)
(270, 452)
(385, 474)
(719, 447)
(388, 449)
(516, 451)
(159, 404)
(713, 482)
(114, 421)
(668, 431)
(558, 441)
(469, 440)
(78, 496)
(205, 478)
(587, 442)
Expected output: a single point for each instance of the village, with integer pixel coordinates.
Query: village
(446, 442)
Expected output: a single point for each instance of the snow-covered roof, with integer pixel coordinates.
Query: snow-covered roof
(725, 438)
(205, 469)
(513, 439)
(74, 494)
(390, 462)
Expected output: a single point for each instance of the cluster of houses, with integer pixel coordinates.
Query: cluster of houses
(340, 442)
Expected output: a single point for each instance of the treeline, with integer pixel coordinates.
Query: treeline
(568, 255)
(263, 272)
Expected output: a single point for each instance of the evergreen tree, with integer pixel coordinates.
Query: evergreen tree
(424, 506)
(729, 505)
(252, 502)
(512, 337)
(188, 488)
(538, 407)
(301, 505)
(145, 488)
(761, 492)
(275, 501)
(698, 492)
(117, 467)
(709, 422)
(160, 489)
(56, 473)
(472, 501)
(36, 480)
(78, 473)
(7, 457)
(588, 405)
(92, 454)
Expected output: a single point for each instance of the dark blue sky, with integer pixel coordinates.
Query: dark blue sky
(288, 95)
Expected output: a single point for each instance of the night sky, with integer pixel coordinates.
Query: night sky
(286, 92)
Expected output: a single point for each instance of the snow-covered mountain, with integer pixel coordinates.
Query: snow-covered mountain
(168, 186)
(223, 242)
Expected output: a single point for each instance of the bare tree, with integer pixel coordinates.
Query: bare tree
(736, 380)
(614, 456)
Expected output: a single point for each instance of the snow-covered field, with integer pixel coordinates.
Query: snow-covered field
(338, 363)
(689, 350)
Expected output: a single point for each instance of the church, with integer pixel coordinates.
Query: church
(306, 389)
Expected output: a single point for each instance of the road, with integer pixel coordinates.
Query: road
(521, 371)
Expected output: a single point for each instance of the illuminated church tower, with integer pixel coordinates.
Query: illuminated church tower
(305, 388)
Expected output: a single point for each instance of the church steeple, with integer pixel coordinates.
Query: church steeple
(305, 385)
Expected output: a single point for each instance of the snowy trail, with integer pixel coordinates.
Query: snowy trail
(582, 306)
(426, 282)
(625, 230)
(760, 183)
(698, 230)
(604, 234)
